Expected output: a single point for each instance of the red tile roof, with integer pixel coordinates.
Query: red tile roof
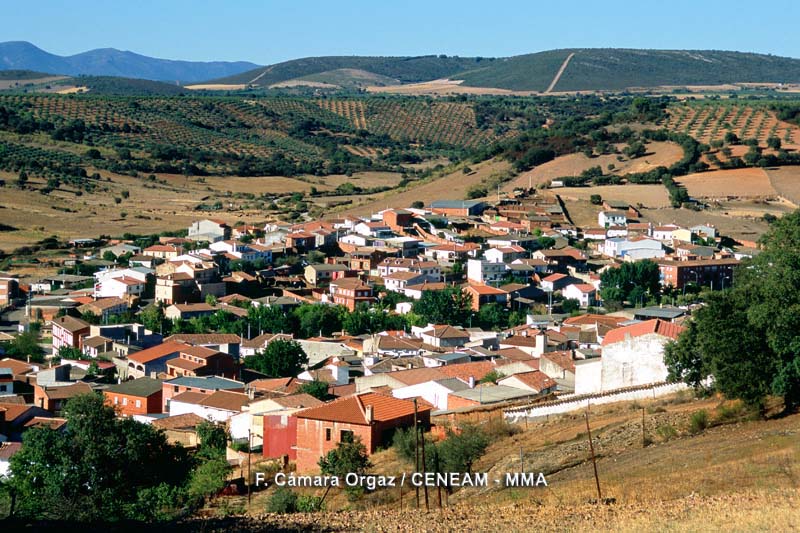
(563, 359)
(484, 289)
(352, 409)
(535, 379)
(157, 352)
(657, 326)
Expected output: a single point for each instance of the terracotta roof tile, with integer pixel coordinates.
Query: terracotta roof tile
(352, 409)
(657, 326)
(157, 352)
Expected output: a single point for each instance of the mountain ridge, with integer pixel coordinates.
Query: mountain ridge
(22, 55)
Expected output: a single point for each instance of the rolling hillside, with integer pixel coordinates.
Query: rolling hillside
(403, 69)
(22, 55)
(588, 69)
(616, 69)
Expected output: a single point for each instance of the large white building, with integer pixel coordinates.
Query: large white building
(634, 355)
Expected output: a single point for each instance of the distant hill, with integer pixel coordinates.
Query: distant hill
(616, 69)
(402, 69)
(588, 69)
(124, 86)
(21, 55)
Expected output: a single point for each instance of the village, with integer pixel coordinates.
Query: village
(463, 308)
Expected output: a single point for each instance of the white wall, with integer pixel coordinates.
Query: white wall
(634, 361)
(575, 402)
(430, 391)
(588, 376)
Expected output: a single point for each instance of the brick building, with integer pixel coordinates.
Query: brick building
(370, 416)
(136, 397)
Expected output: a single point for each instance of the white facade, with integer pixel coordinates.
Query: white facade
(213, 414)
(634, 361)
(432, 392)
(575, 292)
(611, 218)
(588, 376)
(485, 272)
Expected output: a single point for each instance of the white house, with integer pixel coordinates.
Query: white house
(585, 293)
(218, 406)
(611, 218)
(634, 355)
(504, 254)
(640, 246)
(480, 271)
(435, 392)
(664, 233)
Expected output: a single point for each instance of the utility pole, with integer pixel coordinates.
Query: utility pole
(249, 446)
(425, 488)
(644, 439)
(416, 449)
(594, 459)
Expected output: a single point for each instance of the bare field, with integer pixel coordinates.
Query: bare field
(453, 186)
(652, 196)
(215, 87)
(167, 204)
(786, 180)
(442, 87)
(658, 154)
(740, 182)
(742, 228)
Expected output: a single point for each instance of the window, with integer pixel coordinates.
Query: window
(345, 436)
(327, 434)
(116, 400)
(124, 401)
(175, 388)
(138, 403)
(3, 388)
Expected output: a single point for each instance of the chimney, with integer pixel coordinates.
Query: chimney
(471, 382)
(251, 393)
(368, 414)
(153, 374)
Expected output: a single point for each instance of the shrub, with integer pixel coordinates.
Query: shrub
(666, 432)
(282, 501)
(499, 427)
(309, 504)
(698, 421)
(727, 413)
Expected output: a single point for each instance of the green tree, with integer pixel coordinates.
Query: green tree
(619, 283)
(281, 358)
(213, 439)
(349, 456)
(100, 469)
(570, 305)
(26, 345)
(449, 306)
(68, 352)
(316, 319)
(208, 479)
(493, 316)
(460, 450)
(153, 318)
(596, 199)
(317, 389)
(765, 303)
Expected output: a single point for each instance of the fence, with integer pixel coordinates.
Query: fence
(576, 402)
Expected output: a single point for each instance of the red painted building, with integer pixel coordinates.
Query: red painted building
(370, 416)
(136, 397)
(280, 436)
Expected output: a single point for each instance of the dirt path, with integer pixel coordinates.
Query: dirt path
(559, 73)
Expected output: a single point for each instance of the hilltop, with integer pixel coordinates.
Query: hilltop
(580, 69)
(21, 55)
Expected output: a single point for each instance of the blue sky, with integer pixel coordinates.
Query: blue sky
(267, 31)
